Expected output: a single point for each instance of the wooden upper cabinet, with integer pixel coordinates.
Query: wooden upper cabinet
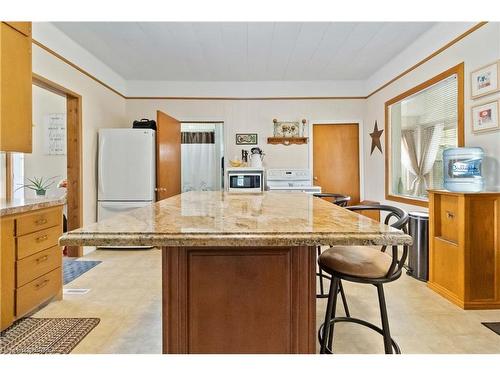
(15, 87)
(22, 27)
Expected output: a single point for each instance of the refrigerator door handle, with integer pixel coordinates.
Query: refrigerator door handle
(100, 187)
(122, 207)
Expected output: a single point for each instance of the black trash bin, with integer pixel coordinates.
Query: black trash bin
(418, 259)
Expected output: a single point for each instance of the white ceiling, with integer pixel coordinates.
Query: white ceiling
(244, 51)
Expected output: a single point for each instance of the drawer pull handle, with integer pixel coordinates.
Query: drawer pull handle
(42, 283)
(450, 215)
(42, 259)
(41, 238)
(41, 221)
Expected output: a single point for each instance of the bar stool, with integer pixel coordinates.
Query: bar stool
(338, 199)
(367, 265)
(342, 201)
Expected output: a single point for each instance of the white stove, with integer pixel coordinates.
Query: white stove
(290, 180)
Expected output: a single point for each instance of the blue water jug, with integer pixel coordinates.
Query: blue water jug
(462, 169)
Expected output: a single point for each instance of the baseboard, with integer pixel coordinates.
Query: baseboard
(476, 305)
(446, 294)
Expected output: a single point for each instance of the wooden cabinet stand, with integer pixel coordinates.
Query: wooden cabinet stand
(464, 259)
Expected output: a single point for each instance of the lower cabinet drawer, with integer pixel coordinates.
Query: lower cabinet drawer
(38, 220)
(37, 265)
(33, 243)
(38, 291)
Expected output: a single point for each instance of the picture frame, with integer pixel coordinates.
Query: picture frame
(246, 138)
(485, 80)
(287, 129)
(484, 117)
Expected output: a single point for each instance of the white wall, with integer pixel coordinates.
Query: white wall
(39, 164)
(100, 108)
(254, 116)
(51, 37)
(476, 50)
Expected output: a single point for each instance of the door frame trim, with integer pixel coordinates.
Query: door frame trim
(74, 192)
(310, 150)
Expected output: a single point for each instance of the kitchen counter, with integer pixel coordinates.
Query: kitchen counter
(230, 219)
(238, 270)
(18, 206)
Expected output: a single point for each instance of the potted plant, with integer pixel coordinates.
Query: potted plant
(38, 184)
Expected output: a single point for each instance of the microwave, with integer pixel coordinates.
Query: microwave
(245, 180)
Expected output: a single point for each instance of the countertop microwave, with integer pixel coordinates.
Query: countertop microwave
(245, 180)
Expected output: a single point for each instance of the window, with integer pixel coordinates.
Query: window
(420, 124)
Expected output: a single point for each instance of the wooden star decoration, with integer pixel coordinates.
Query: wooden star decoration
(376, 138)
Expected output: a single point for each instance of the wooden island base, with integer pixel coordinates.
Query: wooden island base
(239, 300)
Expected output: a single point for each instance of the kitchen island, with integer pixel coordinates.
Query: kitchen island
(239, 270)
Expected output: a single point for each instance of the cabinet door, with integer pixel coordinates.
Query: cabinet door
(15, 90)
(22, 27)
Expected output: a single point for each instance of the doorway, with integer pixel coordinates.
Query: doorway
(336, 159)
(15, 171)
(202, 156)
(189, 156)
(74, 175)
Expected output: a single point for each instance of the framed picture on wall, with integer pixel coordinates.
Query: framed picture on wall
(246, 139)
(485, 80)
(485, 117)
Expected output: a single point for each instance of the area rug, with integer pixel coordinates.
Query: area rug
(45, 335)
(73, 268)
(494, 326)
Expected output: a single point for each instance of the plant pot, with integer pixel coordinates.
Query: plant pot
(41, 192)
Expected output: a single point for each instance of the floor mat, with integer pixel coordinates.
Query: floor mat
(73, 268)
(45, 335)
(494, 326)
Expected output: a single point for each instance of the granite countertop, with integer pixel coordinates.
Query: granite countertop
(18, 206)
(229, 219)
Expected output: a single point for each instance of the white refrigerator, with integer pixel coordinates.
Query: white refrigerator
(126, 170)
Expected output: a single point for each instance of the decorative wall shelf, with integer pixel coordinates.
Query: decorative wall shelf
(287, 140)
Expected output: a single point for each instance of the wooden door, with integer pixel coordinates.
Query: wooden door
(336, 159)
(168, 156)
(15, 90)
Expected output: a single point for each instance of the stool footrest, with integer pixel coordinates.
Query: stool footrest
(397, 350)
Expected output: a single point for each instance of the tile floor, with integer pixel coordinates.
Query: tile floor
(125, 294)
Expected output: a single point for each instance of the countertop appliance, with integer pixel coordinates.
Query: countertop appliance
(256, 157)
(291, 179)
(126, 170)
(245, 179)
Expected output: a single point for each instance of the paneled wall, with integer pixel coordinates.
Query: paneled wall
(254, 116)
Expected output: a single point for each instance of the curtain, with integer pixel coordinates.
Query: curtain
(419, 150)
(199, 161)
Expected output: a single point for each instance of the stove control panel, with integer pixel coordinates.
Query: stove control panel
(288, 174)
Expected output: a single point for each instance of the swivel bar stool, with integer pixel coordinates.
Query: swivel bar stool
(367, 265)
(342, 201)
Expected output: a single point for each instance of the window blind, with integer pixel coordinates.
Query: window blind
(436, 104)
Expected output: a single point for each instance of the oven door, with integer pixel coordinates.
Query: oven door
(245, 182)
